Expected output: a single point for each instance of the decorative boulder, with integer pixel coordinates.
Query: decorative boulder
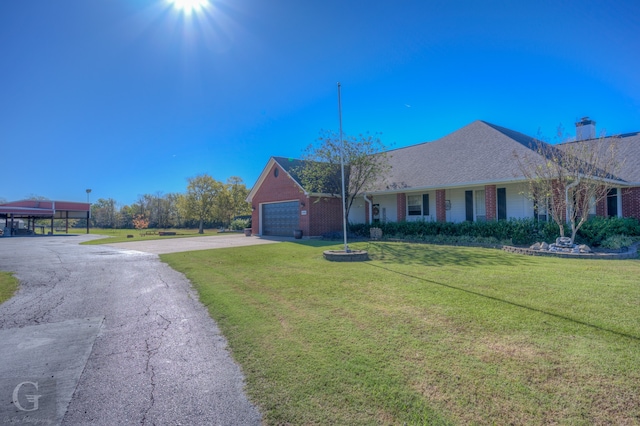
(535, 246)
(584, 248)
(544, 246)
(564, 242)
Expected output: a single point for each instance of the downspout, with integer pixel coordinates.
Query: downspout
(370, 210)
(566, 197)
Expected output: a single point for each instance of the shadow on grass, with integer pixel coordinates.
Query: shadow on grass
(442, 255)
(507, 302)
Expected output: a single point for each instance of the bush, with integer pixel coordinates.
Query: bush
(240, 224)
(513, 231)
(616, 242)
(598, 229)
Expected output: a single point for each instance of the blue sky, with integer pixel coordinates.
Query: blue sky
(128, 97)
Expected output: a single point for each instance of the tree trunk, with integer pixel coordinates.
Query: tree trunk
(201, 227)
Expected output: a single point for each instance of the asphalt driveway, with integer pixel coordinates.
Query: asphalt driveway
(106, 335)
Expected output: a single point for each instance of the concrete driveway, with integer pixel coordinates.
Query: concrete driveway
(104, 335)
(174, 245)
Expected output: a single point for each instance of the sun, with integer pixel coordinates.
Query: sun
(188, 6)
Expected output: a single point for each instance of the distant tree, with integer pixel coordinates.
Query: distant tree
(199, 201)
(104, 213)
(569, 179)
(366, 164)
(36, 197)
(231, 201)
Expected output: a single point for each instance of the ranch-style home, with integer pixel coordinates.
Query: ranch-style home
(471, 174)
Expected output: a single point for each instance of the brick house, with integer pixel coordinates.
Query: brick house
(471, 174)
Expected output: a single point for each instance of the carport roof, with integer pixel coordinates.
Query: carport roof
(45, 208)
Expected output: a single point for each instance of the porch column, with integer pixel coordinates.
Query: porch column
(490, 202)
(441, 209)
(401, 203)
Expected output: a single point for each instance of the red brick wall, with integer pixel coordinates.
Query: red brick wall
(325, 215)
(631, 202)
(281, 188)
(401, 202)
(441, 209)
(490, 201)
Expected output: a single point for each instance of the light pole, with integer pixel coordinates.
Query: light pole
(88, 192)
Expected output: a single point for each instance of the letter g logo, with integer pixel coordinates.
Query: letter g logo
(31, 398)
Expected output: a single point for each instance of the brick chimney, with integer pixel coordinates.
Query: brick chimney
(585, 129)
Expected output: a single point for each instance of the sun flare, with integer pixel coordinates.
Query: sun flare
(189, 6)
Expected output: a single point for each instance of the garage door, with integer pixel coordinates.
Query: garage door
(280, 218)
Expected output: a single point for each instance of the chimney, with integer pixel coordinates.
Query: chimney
(585, 129)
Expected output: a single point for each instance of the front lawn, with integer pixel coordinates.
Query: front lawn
(120, 235)
(8, 285)
(426, 334)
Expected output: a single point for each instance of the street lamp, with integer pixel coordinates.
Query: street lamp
(88, 192)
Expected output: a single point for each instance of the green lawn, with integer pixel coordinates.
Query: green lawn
(8, 285)
(120, 235)
(426, 334)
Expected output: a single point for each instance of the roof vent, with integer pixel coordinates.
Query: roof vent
(585, 129)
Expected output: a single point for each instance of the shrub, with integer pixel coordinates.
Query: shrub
(616, 242)
(513, 231)
(240, 224)
(598, 229)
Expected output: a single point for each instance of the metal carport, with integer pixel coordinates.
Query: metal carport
(44, 209)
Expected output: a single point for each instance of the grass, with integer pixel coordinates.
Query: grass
(426, 334)
(120, 235)
(8, 286)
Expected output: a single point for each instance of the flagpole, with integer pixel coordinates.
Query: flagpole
(344, 199)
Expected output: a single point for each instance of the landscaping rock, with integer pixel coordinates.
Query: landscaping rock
(544, 246)
(584, 248)
(535, 246)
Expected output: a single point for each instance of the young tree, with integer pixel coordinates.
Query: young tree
(140, 222)
(568, 179)
(365, 162)
(199, 201)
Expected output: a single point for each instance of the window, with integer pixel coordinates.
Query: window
(501, 194)
(612, 203)
(541, 209)
(481, 208)
(414, 205)
(418, 205)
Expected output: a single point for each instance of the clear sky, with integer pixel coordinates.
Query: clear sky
(128, 97)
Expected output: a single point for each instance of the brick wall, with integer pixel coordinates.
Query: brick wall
(401, 204)
(631, 202)
(441, 209)
(280, 188)
(325, 215)
(490, 201)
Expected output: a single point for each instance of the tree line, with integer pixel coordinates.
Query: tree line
(206, 203)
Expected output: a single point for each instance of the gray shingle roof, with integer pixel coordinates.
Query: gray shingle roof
(628, 151)
(478, 152)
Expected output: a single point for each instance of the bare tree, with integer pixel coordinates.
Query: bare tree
(569, 179)
(364, 158)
